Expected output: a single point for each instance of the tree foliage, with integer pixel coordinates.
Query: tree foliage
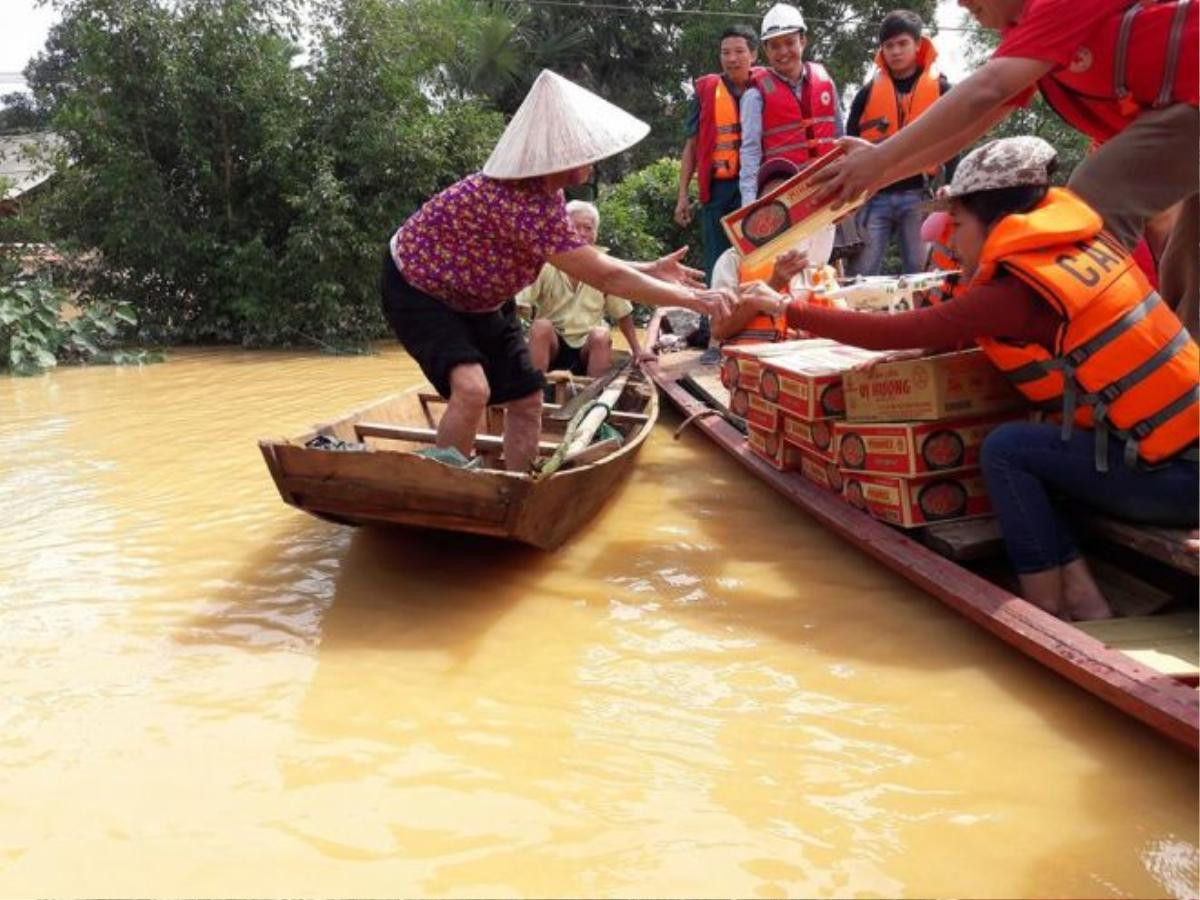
(233, 193)
(238, 185)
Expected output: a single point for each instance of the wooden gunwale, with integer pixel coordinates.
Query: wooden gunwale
(1170, 707)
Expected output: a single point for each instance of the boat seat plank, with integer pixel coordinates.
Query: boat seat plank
(429, 435)
(1178, 547)
(969, 539)
(1165, 643)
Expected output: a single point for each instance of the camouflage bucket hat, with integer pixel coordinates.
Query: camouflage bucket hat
(1006, 163)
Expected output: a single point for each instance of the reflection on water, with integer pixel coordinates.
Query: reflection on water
(210, 693)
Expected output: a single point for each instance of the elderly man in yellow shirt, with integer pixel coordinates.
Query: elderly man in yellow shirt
(568, 330)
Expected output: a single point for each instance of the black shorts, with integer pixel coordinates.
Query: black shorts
(440, 338)
(568, 358)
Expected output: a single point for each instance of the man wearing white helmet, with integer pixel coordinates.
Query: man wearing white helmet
(791, 111)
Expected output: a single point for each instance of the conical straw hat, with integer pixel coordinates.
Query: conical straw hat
(561, 126)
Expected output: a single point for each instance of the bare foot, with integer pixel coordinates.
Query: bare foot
(1081, 595)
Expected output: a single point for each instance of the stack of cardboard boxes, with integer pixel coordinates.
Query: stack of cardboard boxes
(790, 395)
(900, 441)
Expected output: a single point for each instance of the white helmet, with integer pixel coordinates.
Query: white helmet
(782, 19)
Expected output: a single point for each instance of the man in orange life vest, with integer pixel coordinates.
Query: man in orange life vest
(1124, 73)
(905, 84)
(712, 151)
(791, 111)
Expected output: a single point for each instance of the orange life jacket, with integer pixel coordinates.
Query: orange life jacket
(799, 129)
(762, 329)
(719, 139)
(1122, 362)
(1143, 58)
(886, 111)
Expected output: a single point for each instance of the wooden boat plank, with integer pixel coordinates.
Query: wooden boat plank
(964, 541)
(411, 435)
(1176, 547)
(1155, 699)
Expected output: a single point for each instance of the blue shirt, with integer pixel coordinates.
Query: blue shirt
(751, 109)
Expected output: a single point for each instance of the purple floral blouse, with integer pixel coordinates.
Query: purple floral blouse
(478, 242)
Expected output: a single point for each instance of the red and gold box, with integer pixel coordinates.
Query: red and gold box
(808, 381)
(776, 221)
(815, 436)
(932, 387)
(920, 500)
(771, 447)
(741, 364)
(913, 448)
(821, 471)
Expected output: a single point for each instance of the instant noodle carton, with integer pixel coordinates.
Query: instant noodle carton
(776, 221)
(911, 502)
(815, 436)
(913, 448)
(754, 409)
(741, 364)
(821, 471)
(932, 387)
(808, 381)
(770, 446)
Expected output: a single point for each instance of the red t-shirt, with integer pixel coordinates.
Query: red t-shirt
(1051, 31)
(1068, 35)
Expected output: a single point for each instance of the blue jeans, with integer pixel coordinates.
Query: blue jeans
(888, 213)
(1025, 463)
(725, 198)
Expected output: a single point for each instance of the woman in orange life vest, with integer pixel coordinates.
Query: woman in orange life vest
(748, 323)
(1061, 308)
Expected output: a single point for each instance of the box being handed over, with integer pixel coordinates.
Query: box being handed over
(932, 387)
(913, 448)
(913, 502)
(775, 222)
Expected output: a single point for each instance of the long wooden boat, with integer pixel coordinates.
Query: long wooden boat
(1145, 665)
(362, 469)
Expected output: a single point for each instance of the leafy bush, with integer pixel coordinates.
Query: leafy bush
(37, 330)
(637, 215)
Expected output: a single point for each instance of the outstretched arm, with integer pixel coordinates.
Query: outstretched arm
(613, 276)
(949, 125)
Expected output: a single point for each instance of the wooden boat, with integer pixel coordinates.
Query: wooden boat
(1145, 665)
(369, 474)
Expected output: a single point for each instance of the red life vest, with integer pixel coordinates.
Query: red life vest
(886, 111)
(1144, 58)
(941, 257)
(1122, 361)
(799, 129)
(719, 139)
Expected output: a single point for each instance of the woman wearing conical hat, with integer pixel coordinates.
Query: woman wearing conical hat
(451, 271)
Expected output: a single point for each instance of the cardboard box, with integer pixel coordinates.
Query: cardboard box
(807, 381)
(920, 500)
(771, 447)
(775, 222)
(754, 409)
(951, 385)
(815, 436)
(742, 364)
(821, 471)
(913, 448)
